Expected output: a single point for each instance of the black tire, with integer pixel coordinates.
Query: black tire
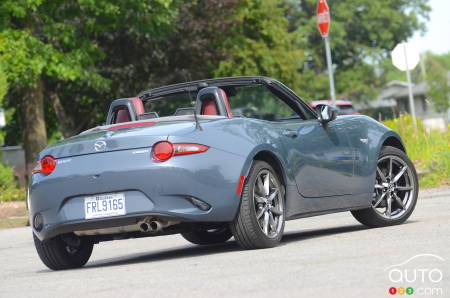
(373, 219)
(55, 254)
(205, 237)
(245, 227)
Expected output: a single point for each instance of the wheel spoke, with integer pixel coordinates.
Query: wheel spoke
(260, 185)
(273, 195)
(380, 173)
(399, 201)
(266, 223)
(389, 206)
(267, 184)
(259, 199)
(400, 174)
(379, 186)
(390, 167)
(277, 209)
(379, 200)
(271, 221)
(404, 187)
(260, 212)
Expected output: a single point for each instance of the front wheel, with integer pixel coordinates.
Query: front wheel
(57, 254)
(260, 219)
(395, 191)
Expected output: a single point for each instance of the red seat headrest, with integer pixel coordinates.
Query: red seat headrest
(209, 107)
(213, 101)
(122, 116)
(138, 105)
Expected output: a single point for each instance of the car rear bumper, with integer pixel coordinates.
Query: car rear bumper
(150, 188)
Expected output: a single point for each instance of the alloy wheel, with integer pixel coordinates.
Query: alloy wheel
(394, 187)
(268, 201)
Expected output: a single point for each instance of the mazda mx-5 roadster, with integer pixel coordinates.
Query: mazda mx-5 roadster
(210, 160)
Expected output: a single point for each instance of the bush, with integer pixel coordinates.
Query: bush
(12, 194)
(6, 177)
(430, 151)
(8, 186)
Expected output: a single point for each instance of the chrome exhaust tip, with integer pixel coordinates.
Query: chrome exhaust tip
(152, 225)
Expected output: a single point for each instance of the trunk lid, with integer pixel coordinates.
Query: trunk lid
(108, 138)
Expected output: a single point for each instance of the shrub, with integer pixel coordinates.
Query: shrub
(8, 186)
(6, 177)
(430, 151)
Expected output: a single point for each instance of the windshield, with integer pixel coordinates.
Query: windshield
(346, 110)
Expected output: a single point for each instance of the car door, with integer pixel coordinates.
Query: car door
(319, 156)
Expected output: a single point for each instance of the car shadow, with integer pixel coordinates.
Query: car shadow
(190, 251)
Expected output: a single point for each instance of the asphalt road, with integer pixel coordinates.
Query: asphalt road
(329, 256)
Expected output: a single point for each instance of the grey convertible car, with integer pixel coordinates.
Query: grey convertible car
(214, 159)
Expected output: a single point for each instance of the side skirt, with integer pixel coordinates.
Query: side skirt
(330, 211)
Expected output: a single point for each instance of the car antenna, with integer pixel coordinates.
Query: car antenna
(197, 123)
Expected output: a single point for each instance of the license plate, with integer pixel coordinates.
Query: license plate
(104, 205)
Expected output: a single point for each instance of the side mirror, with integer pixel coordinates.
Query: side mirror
(325, 113)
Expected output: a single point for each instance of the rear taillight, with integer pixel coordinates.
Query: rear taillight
(45, 166)
(163, 151)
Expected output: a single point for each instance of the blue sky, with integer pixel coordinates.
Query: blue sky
(437, 37)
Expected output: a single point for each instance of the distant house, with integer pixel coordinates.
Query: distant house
(395, 96)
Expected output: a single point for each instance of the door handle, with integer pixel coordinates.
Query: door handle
(290, 133)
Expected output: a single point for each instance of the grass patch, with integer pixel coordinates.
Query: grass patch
(13, 222)
(430, 151)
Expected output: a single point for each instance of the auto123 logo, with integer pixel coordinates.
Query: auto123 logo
(420, 275)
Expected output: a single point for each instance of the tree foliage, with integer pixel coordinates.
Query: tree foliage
(362, 32)
(85, 53)
(47, 45)
(438, 80)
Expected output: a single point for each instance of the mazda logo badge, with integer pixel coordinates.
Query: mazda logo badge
(100, 146)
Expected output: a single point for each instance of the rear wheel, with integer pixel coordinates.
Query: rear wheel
(58, 254)
(210, 236)
(260, 220)
(395, 191)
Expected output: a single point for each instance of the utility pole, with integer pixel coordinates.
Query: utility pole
(323, 22)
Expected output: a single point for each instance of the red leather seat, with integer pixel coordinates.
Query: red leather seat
(209, 106)
(122, 116)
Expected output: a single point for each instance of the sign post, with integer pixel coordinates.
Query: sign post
(323, 22)
(406, 58)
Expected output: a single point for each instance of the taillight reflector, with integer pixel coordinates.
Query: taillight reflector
(45, 166)
(163, 151)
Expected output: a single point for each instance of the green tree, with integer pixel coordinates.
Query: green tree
(438, 80)
(3, 85)
(3, 91)
(259, 43)
(362, 33)
(45, 43)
